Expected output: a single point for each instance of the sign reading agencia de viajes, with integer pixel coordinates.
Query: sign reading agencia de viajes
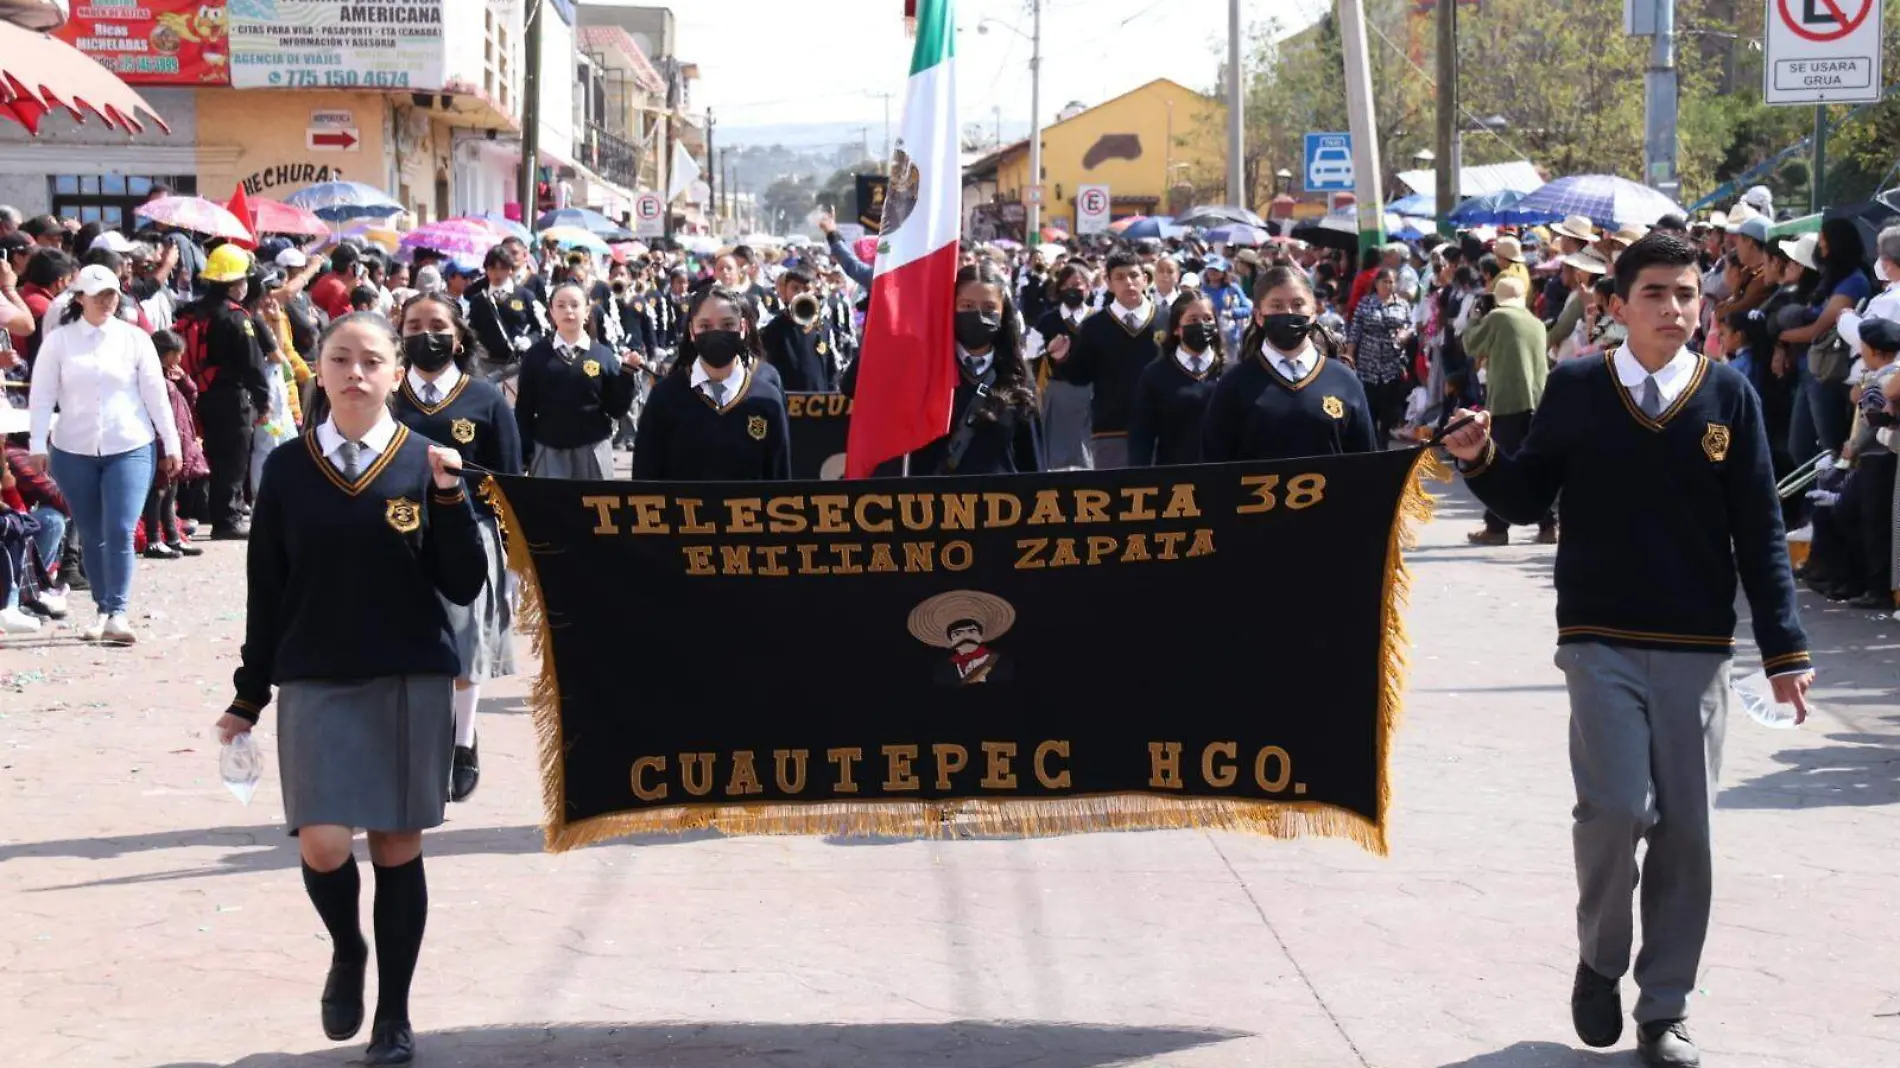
(307, 44)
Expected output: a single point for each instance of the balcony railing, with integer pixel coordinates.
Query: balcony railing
(612, 158)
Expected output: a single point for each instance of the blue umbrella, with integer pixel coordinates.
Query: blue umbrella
(1237, 234)
(587, 219)
(1488, 209)
(1152, 226)
(345, 201)
(1417, 204)
(1609, 201)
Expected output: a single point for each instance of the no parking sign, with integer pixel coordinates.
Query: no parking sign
(1091, 209)
(1822, 52)
(649, 215)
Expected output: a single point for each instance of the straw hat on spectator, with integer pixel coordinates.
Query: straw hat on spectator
(1801, 250)
(1628, 235)
(1576, 227)
(1507, 250)
(1509, 291)
(1589, 261)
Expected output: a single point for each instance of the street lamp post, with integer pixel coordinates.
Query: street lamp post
(1034, 37)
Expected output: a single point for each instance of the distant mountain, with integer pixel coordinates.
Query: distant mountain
(833, 135)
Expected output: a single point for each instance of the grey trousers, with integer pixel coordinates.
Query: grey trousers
(1645, 750)
(1111, 452)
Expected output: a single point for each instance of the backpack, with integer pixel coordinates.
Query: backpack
(195, 330)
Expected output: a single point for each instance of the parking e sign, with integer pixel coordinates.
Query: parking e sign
(1091, 209)
(1822, 52)
(649, 215)
(1328, 163)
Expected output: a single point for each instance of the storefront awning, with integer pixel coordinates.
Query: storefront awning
(39, 73)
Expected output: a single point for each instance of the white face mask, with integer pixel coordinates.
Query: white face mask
(1880, 270)
(1885, 436)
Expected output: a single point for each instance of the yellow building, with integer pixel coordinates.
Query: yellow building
(1141, 144)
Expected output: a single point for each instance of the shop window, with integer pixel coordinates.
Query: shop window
(110, 198)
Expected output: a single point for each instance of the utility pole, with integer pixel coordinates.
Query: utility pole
(1033, 232)
(1817, 181)
(1236, 119)
(665, 170)
(998, 109)
(1448, 162)
(713, 185)
(1365, 140)
(1659, 104)
(530, 115)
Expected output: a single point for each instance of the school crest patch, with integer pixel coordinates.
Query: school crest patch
(755, 426)
(249, 330)
(1715, 442)
(462, 430)
(1334, 407)
(1161, 337)
(403, 515)
(516, 305)
(591, 368)
(821, 348)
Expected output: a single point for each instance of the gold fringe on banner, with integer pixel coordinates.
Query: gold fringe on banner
(1026, 817)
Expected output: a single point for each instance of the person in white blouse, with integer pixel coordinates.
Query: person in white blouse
(103, 376)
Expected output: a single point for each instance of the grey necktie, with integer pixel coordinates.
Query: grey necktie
(429, 393)
(717, 391)
(1291, 370)
(1652, 397)
(1134, 323)
(350, 450)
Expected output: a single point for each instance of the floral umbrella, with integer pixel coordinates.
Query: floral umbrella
(454, 237)
(198, 215)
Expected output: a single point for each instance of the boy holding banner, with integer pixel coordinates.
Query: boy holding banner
(1662, 461)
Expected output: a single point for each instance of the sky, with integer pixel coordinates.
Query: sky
(769, 62)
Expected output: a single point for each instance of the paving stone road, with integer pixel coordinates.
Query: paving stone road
(152, 922)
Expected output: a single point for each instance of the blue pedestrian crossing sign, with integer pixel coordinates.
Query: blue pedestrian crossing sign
(1329, 163)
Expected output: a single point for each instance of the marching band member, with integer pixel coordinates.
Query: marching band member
(358, 535)
(669, 308)
(572, 389)
(996, 430)
(506, 318)
(1288, 395)
(442, 402)
(717, 416)
(796, 343)
(1108, 354)
(1171, 397)
(1065, 402)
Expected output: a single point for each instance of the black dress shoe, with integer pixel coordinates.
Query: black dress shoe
(1666, 1044)
(239, 531)
(1872, 600)
(343, 999)
(1596, 1008)
(466, 775)
(391, 1042)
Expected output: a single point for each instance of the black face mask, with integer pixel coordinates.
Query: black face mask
(1198, 337)
(1287, 332)
(1073, 298)
(620, 285)
(429, 352)
(718, 348)
(976, 329)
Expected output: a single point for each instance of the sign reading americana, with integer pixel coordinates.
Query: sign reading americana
(308, 44)
(1215, 645)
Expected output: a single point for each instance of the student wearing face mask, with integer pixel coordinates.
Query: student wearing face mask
(1109, 353)
(717, 417)
(1288, 395)
(1065, 401)
(1172, 394)
(572, 389)
(441, 401)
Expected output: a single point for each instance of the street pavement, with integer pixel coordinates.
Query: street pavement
(150, 921)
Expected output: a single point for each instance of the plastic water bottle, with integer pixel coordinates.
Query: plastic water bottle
(241, 765)
(1758, 700)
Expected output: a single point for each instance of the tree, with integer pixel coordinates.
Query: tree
(786, 202)
(839, 193)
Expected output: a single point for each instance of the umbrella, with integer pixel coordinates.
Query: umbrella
(375, 234)
(1870, 217)
(198, 215)
(760, 239)
(1416, 204)
(705, 244)
(344, 201)
(39, 73)
(1151, 226)
(1238, 234)
(452, 237)
(1006, 244)
(586, 219)
(1487, 209)
(277, 217)
(575, 237)
(1125, 222)
(865, 248)
(502, 225)
(1054, 233)
(1333, 231)
(1217, 214)
(1607, 200)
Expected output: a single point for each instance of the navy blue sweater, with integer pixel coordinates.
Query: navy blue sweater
(474, 420)
(803, 357)
(1170, 406)
(1110, 355)
(683, 438)
(570, 404)
(1255, 414)
(343, 578)
(1658, 515)
(1004, 439)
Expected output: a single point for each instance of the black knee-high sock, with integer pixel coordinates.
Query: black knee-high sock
(335, 893)
(402, 909)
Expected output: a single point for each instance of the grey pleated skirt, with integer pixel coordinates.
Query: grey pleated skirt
(590, 463)
(482, 629)
(370, 753)
(1067, 426)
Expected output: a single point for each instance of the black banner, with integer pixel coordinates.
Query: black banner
(820, 424)
(871, 189)
(1215, 645)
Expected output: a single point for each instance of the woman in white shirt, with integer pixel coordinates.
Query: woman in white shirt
(103, 375)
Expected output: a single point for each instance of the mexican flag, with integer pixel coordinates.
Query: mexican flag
(907, 369)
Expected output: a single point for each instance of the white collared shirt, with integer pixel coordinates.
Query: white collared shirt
(1195, 363)
(1295, 366)
(977, 366)
(108, 386)
(1670, 381)
(571, 350)
(444, 385)
(370, 446)
(1074, 315)
(1139, 314)
(733, 383)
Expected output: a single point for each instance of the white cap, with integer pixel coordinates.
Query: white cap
(96, 279)
(1760, 198)
(292, 259)
(114, 241)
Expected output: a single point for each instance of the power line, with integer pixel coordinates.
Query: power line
(1429, 80)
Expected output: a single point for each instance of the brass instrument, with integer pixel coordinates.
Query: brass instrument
(805, 310)
(1802, 477)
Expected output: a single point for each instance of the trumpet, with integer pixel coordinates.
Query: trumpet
(805, 310)
(1802, 477)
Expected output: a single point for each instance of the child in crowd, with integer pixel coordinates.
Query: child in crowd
(365, 299)
(1329, 316)
(1733, 332)
(165, 536)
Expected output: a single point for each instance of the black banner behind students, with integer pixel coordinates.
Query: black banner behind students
(955, 659)
(820, 424)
